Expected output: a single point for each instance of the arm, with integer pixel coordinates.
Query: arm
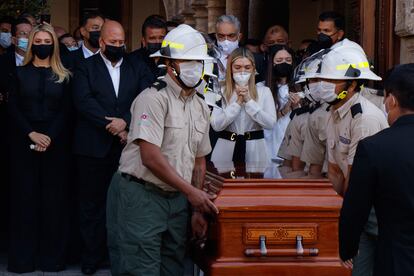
(223, 117)
(60, 121)
(266, 115)
(357, 203)
(155, 161)
(15, 114)
(337, 178)
(85, 101)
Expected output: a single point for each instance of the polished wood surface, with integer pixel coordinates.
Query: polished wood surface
(296, 220)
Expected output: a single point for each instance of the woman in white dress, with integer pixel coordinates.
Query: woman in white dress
(246, 111)
(281, 68)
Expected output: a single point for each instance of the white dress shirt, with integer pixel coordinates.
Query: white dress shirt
(19, 59)
(114, 72)
(88, 53)
(251, 116)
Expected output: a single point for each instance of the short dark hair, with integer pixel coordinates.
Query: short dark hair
(400, 83)
(90, 15)
(253, 42)
(7, 19)
(20, 20)
(154, 21)
(172, 24)
(336, 17)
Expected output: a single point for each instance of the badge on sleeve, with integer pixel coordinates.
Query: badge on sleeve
(144, 120)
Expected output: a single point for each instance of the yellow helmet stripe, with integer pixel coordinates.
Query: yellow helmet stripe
(172, 44)
(363, 64)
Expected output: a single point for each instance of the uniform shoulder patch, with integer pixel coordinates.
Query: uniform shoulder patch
(201, 96)
(159, 84)
(356, 109)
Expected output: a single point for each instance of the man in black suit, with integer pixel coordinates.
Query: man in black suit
(104, 87)
(90, 30)
(153, 32)
(383, 175)
(8, 63)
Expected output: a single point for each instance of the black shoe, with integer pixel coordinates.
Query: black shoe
(88, 269)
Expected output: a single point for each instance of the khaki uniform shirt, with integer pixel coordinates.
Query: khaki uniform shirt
(314, 145)
(344, 131)
(292, 143)
(178, 125)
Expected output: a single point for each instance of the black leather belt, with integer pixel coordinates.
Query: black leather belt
(233, 136)
(150, 186)
(239, 153)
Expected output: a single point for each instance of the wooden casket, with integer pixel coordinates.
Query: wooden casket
(269, 226)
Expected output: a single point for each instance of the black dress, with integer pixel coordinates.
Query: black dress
(39, 180)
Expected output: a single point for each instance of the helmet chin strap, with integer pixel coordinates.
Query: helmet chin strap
(177, 76)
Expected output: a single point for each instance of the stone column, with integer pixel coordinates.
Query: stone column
(188, 13)
(404, 28)
(215, 9)
(240, 9)
(201, 15)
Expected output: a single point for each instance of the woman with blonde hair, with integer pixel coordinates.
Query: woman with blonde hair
(246, 110)
(39, 108)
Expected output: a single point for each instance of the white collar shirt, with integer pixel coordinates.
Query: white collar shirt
(88, 53)
(19, 59)
(114, 72)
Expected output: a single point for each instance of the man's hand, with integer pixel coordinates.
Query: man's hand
(201, 201)
(116, 125)
(348, 263)
(294, 100)
(40, 139)
(123, 136)
(199, 225)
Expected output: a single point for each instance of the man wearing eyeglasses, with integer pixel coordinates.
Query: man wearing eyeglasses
(228, 36)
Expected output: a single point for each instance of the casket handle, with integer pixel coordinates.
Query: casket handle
(298, 252)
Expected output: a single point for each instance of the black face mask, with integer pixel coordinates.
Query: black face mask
(94, 38)
(42, 51)
(114, 53)
(153, 47)
(324, 41)
(282, 70)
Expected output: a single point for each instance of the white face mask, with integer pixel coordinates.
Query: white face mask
(241, 78)
(322, 91)
(191, 73)
(227, 46)
(5, 39)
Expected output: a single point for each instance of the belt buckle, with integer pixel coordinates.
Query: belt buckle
(248, 135)
(233, 136)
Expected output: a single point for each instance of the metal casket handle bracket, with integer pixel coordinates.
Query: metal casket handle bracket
(298, 252)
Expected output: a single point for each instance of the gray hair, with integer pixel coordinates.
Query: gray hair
(228, 18)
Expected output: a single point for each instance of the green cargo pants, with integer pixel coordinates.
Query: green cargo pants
(147, 232)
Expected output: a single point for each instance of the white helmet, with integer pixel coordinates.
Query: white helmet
(345, 63)
(185, 43)
(308, 67)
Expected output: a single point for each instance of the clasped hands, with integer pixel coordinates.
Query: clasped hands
(117, 127)
(243, 95)
(41, 141)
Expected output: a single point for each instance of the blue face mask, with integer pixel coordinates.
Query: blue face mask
(5, 39)
(73, 48)
(22, 43)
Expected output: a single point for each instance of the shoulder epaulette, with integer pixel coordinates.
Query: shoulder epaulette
(356, 109)
(201, 96)
(159, 84)
(299, 111)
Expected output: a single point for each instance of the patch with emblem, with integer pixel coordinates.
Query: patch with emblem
(143, 120)
(344, 140)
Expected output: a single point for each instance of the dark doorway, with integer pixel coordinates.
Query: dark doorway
(111, 9)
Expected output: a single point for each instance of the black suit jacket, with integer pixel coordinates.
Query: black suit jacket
(75, 59)
(7, 75)
(142, 55)
(94, 98)
(383, 175)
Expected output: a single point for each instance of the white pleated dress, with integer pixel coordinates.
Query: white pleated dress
(251, 116)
